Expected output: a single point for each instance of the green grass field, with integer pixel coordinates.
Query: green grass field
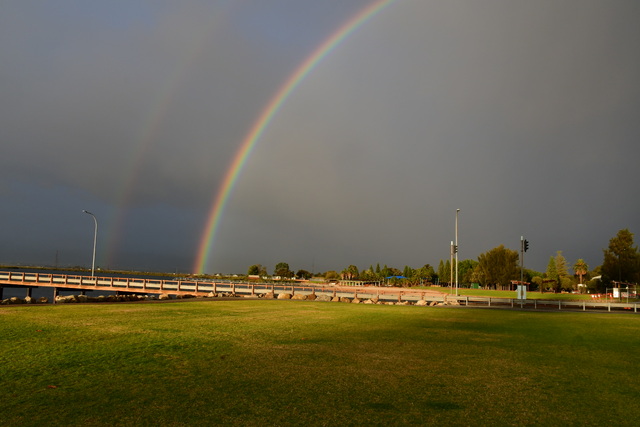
(512, 294)
(250, 362)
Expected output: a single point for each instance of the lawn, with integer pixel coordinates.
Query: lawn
(251, 362)
(512, 294)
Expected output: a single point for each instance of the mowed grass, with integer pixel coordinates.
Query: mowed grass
(253, 362)
(513, 294)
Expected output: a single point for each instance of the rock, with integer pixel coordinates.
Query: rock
(355, 301)
(28, 300)
(211, 295)
(369, 302)
(15, 300)
(163, 297)
(82, 298)
(335, 299)
(421, 303)
(311, 297)
(300, 297)
(323, 298)
(269, 295)
(43, 300)
(284, 296)
(345, 299)
(433, 303)
(66, 299)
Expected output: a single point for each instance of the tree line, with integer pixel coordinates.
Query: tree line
(497, 268)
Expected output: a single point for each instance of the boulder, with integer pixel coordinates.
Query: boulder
(82, 298)
(284, 296)
(421, 303)
(28, 300)
(335, 299)
(356, 301)
(345, 299)
(300, 297)
(311, 297)
(269, 295)
(66, 299)
(15, 300)
(43, 300)
(163, 297)
(368, 302)
(323, 298)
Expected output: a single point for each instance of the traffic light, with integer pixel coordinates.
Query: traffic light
(455, 249)
(526, 245)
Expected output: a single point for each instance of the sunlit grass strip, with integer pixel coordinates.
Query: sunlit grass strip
(550, 296)
(290, 363)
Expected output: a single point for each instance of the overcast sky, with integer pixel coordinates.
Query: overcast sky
(523, 114)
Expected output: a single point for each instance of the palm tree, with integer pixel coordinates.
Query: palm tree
(580, 268)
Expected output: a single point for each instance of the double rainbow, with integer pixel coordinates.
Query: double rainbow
(272, 107)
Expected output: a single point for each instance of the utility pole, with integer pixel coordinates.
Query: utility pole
(451, 266)
(524, 246)
(455, 248)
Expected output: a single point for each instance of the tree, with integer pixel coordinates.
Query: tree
(580, 268)
(408, 272)
(331, 275)
(465, 270)
(351, 273)
(552, 274)
(621, 259)
(304, 275)
(257, 270)
(498, 267)
(425, 272)
(282, 270)
(561, 265)
(441, 273)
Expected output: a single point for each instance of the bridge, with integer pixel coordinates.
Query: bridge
(199, 288)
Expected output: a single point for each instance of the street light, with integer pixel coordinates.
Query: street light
(456, 250)
(95, 237)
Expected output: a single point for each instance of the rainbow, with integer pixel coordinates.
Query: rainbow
(260, 125)
(145, 136)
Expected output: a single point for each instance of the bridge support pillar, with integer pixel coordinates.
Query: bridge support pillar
(1, 291)
(29, 292)
(55, 295)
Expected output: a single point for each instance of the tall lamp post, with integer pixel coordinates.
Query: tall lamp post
(456, 250)
(95, 237)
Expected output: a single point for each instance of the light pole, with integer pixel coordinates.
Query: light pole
(456, 250)
(95, 237)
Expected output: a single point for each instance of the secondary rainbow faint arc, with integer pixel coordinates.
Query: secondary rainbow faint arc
(265, 118)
